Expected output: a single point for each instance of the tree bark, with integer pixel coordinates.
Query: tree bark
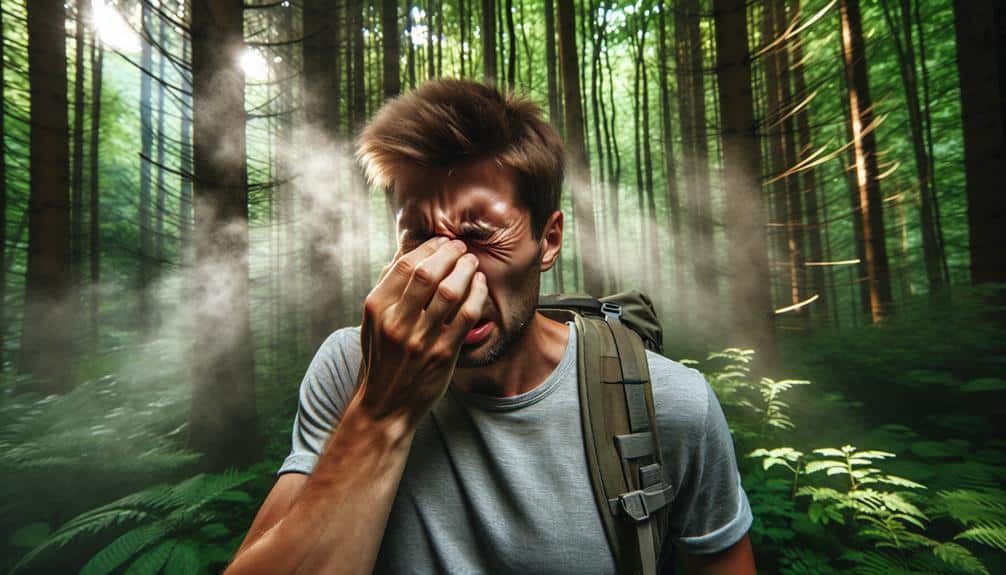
(670, 171)
(981, 48)
(583, 204)
(146, 146)
(744, 218)
(554, 113)
(97, 61)
(77, 177)
(185, 166)
(321, 109)
(224, 421)
(389, 35)
(511, 46)
(488, 33)
(46, 349)
(865, 151)
(3, 199)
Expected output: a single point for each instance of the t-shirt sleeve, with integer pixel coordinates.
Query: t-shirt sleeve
(325, 391)
(710, 510)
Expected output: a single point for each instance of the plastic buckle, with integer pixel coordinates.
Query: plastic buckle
(611, 309)
(634, 505)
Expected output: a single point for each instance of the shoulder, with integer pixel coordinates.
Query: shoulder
(681, 396)
(333, 370)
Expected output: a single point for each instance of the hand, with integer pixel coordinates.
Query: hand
(414, 322)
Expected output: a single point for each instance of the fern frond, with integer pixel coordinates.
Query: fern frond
(119, 551)
(150, 563)
(991, 534)
(184, 559)
(67, 533)
(960, 558)
(969, 506)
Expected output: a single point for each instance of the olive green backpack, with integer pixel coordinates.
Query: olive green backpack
(619, 425)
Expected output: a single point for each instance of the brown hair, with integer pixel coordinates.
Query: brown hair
(447, 122)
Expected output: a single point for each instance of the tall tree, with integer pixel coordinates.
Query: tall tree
(744, 216)
(389, 36)
(97, 63)
(321, 110)
(900, 28)
(981, 61)
(488, 31)
(223, 422)
(77, 176)
(161, 196)
(583, 203)
(45, 349)
(511, 75)
(667, 148)
(809, 189)
(146, 147)
(3, 196)
(865, 152)
(554, 113)
(361, 220)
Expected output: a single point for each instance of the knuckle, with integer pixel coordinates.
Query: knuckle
(403, 267)
(468, 315)
(423, 274)
(391, 332)
(414, 346)
(448, 294)
(370, 307)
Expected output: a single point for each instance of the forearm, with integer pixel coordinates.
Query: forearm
(337, 521)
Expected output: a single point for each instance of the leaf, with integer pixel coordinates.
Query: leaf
(992, 534)
(184, 559)
(30, 535)
(151, 562)
(815, 466)
(984, 384)
(120, 550)
(830, 452)
(960, 557)
(214, 530)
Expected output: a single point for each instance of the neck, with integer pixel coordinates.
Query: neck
(526, 365)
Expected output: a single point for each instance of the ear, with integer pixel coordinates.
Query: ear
(550, 243)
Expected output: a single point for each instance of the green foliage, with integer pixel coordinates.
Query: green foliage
(163, 522)
(842, 509)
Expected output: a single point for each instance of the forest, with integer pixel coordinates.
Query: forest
(809, 190)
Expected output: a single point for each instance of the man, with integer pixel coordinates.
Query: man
(443, 434)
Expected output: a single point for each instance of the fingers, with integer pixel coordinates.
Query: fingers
(397, 274)
(426, 278)
(470, 311)
(450, 294)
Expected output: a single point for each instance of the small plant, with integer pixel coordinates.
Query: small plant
(169, 527)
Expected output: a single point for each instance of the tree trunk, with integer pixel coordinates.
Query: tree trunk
(159, 208)
(981, 48)
(3, 200)
(488, 32)
(463, 33)
(361, 220)
(744, 218)
(224, 420)
(864, 148)
(670, 171)
(45, 351)
(554, 113)
(511, 46)
(583, 204)
(389, 35)
(809, 191)
(904, 47)
(321, 109)
(77, 177)
(146, 147)
(700, 198)
(185, 166)
(97, 61)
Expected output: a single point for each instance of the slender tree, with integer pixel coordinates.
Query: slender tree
(389, 36)
(223, 422)
(94, 219)
(45, 349)
(865, 151)
(667, 149)
(583, 204)
(744, 217)
(146, 148)
(981, 48)
(77, 176)
(3, 196)
(488, 32)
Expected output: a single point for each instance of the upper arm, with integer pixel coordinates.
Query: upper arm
(738, 559)
(276, 505)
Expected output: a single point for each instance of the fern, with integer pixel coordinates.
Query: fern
(960, 558)
(161, 511)
(991, 534)
(151, 562)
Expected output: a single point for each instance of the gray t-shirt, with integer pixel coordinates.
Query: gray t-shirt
(501, 485)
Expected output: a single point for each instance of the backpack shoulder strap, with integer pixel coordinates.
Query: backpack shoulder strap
(619, 431)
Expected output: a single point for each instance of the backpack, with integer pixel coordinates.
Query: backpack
(620, 435)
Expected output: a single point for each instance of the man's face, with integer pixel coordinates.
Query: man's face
(479, 204)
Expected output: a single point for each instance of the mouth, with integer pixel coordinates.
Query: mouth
(479, 332)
